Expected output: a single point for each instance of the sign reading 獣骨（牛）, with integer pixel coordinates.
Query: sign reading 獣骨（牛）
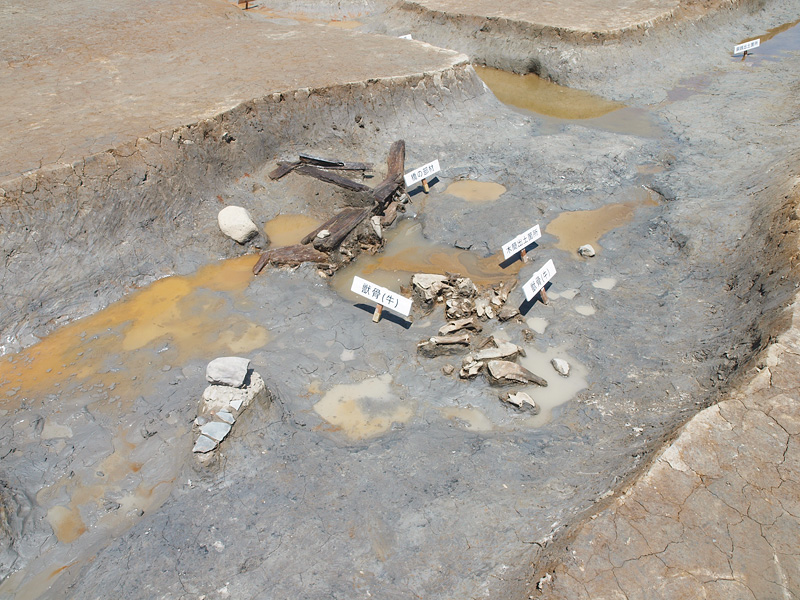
(381, 296)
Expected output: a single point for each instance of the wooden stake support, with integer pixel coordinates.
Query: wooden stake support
(543, 296)
(744, 55)
(523, 254)
(376, 316)
(425, 187)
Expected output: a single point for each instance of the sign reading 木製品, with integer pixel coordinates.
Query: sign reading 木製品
(425, 171)
(539, 279)
(746, 46)
(380, 295)
(522, 241)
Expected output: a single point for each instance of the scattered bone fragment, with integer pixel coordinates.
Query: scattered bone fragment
(498, 350)
(236, 223)
(321, 235)
(504, 372)
(228, 370)
(443, 345)
(587, 251)
(448, 369)
(389, 214)
(483, 309)
(470, 369)
(520, 400)
(468, 323)
(459, 308)
(428, 287)
(561, 366)
(507, 312)
(462, 286)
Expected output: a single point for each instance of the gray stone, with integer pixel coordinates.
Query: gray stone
(222, 397)
(204, 444)
(228, 370)
(236, 223)
(216, 430)
(226, 417)
(507, 312)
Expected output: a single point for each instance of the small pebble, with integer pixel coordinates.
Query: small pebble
(587, 251)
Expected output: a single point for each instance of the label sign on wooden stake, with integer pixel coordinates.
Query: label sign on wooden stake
(539, 279)
(423, 172)
(391, 300)
(522, 241)
(406, 37)
(746, 46)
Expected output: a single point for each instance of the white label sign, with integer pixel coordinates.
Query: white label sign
(406, 37)
(541, 277)
(423, 172)
(382, 296)
(523, 240)
(746, 46)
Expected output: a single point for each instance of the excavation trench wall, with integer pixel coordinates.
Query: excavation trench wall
(76, 237)
(686, 41)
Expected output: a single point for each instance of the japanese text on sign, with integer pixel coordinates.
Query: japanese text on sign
(423, 172)
(539, 279)
(521, 242)
(387, 298)
(746, 46)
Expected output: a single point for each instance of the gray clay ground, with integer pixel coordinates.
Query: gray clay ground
(292, 508)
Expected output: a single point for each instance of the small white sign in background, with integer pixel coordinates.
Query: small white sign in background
(539, 279)
(423, 172)
(746, 46)
(387, 298)
(522, 241)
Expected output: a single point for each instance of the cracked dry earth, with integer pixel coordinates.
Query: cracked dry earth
(717, 516)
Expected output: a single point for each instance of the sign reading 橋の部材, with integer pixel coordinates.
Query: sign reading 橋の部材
(522, 241)
(380, 295)
(539, 279)
(425, 171)
(746, 46)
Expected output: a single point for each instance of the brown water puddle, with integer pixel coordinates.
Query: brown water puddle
(576, 228)
(366, 409)
(559, 105)
(185, 315)
(345, 24)
(287, 230)
(475, 191)
(408, 252)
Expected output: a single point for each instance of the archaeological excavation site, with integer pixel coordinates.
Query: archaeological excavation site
(415, 299)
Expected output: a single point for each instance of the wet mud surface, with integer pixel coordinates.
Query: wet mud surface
(372, 473)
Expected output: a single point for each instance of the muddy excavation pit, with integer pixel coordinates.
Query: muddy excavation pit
(370, 470)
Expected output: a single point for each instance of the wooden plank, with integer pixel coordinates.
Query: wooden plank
(341, 225)
(331, 223)
(283, 168)
(397, 158)
(347, 184)
(289, 256)
(334, 164)
(394, 178)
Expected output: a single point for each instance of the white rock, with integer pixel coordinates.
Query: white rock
(376, 226)
(222, 397)
(204, 444)
(236, 223)
(561, 366)
(228, 370)
(586, 251)
(216, 430)
(323, 234)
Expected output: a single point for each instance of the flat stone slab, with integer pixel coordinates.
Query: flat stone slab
(80, 78)
(228, 370)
